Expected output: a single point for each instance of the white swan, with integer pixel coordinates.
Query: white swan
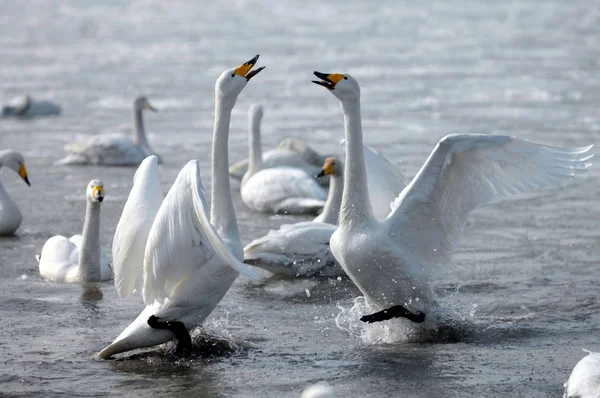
(390, 261)
(302, 249)
(10, 216)
(79, 258)
(114, 149)
(584, 381)
(281, 190)
(319, 390)
(291, 152)
(187, 262)
(24, 106)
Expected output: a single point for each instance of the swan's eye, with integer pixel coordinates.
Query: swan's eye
(345, 78)
(233, 74)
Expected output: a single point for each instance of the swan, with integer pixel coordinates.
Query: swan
(391, 261)
(168, 250)
(584, 381)
(302, 249)
(24, 106)
(10, 216)
(291, 152)
(281, 190)
(114, 149)
(79, 258)
(319, 390)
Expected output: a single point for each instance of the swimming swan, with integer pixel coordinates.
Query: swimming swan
(390, 261)
(10, 216)
(79, 258)
(168, 251)
(584, 381)
(281, 190)
(114, 149)
(291, 152)
(302, 249)
(24, 106)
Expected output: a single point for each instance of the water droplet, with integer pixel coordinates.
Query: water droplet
(307, 292)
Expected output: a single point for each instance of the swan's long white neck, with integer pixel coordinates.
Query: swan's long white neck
(139, 133)
(89, 252)
(356, 204)
(331, 211)
(222, 213)
(255, 159)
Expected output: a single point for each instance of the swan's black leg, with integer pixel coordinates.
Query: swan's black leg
(184, 341)
(396, 311)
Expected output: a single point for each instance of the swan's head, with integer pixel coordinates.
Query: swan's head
(332, 166)
(14, 160)
(141, 103)
(95, 191)
(343, 86)
(231, 82)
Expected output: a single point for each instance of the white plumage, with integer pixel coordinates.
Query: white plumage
(584, 381)
(391, 261)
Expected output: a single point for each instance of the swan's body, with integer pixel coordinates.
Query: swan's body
(391, 261)
(114, 149)
(292, 152)
(186, 262)
(302, 249)
(79, 258)
(319, 390)
(24, 106)
(584, 381)
(10, 215)
(281, 190)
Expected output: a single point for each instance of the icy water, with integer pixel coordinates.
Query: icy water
(523, 285)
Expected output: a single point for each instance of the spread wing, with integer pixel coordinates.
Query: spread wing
(182, 240)
(129, 243)
(463, 172)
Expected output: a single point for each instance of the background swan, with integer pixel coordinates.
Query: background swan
(584, 381)
(291, 152)
(79, 258)
(390, 261)
(281, 190)
(187, 263)
(10, 215)
(24, 106)
(114, 149)
(302, 249)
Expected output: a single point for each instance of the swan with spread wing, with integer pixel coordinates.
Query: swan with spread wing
(169, 250)
(391, 261)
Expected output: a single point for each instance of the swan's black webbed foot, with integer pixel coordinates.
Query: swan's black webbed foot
(184, 341)
(396, 311)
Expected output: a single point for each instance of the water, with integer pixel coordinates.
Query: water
(523, 283)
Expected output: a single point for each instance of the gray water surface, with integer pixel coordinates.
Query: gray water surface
(523, 284)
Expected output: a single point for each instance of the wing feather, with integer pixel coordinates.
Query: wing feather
(182, 240)
(463, 172)
(132, 231)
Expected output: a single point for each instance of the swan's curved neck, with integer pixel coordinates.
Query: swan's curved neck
(331, 211)
(255, 159)
(139, 132)
(356, 204)
(222, 213)
(89, 252)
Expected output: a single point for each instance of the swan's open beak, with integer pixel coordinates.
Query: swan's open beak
(98, 193)
(23, 173)
(244, 69)
(328, 80)
(150, 107)
(327, 168)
